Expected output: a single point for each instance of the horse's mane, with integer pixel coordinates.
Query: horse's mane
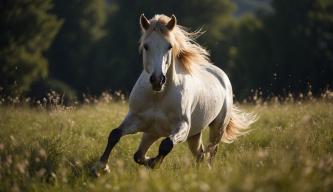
(183, 42)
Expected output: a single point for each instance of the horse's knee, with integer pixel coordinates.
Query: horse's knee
(115, 135)
(113, 139)
(165, 147)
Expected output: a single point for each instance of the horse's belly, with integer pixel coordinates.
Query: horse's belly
(206, 111)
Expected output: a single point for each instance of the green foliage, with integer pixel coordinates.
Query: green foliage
(27, 30)
(40, 89)
(74, 52)
(290, 149)
(287, 50)
(252, 6)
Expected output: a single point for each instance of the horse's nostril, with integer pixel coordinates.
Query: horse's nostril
(151, 79)
(157, 80)
(162, 79)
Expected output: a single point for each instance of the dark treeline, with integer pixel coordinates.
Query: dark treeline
(85, 46)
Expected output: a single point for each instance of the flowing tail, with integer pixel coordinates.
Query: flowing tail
(238, 125)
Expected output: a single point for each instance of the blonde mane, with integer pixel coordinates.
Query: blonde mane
(184, 47)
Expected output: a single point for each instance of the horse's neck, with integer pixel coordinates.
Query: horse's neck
(174, 72)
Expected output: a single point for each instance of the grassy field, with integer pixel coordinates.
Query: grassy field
(53, 149)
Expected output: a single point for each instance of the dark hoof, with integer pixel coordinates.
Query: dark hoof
(153, 163)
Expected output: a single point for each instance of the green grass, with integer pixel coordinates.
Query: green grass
(289, 150)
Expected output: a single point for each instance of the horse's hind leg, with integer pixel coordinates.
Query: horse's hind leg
(215, 136)
(196, 146)
(216, 130)
(146, 141)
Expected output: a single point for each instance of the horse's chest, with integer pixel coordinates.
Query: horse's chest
(156, 121)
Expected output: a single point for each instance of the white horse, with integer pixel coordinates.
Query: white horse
(177, 95)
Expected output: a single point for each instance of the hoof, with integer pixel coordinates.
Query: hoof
(153, 163)
(211, 153)
(99, 169)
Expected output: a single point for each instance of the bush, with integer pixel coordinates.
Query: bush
(40, 88)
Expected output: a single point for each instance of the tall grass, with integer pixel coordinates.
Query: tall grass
(53, 148)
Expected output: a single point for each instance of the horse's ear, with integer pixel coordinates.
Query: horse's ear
(144, 23)
(172, 23)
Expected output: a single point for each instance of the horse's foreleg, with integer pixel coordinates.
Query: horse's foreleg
(146, 141)
(179, 135)
(164, 149)
(128, 126)
(113, 139)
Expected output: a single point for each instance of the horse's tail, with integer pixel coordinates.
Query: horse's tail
(238, 125)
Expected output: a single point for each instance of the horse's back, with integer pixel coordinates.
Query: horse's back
(219, 74)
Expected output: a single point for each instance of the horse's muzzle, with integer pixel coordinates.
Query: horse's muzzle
(157, 81)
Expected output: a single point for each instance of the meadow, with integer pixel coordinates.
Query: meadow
(53, 147)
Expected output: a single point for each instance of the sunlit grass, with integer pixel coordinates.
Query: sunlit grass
(53, 149)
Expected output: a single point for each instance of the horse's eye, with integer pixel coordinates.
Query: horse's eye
(169, 47)
(145, 46)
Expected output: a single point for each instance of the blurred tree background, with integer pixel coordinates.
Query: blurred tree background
(84, 46)
(27, 30)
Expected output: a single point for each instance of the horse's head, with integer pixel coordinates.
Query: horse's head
(156, 48)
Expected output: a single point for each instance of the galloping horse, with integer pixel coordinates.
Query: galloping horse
(178, 94)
